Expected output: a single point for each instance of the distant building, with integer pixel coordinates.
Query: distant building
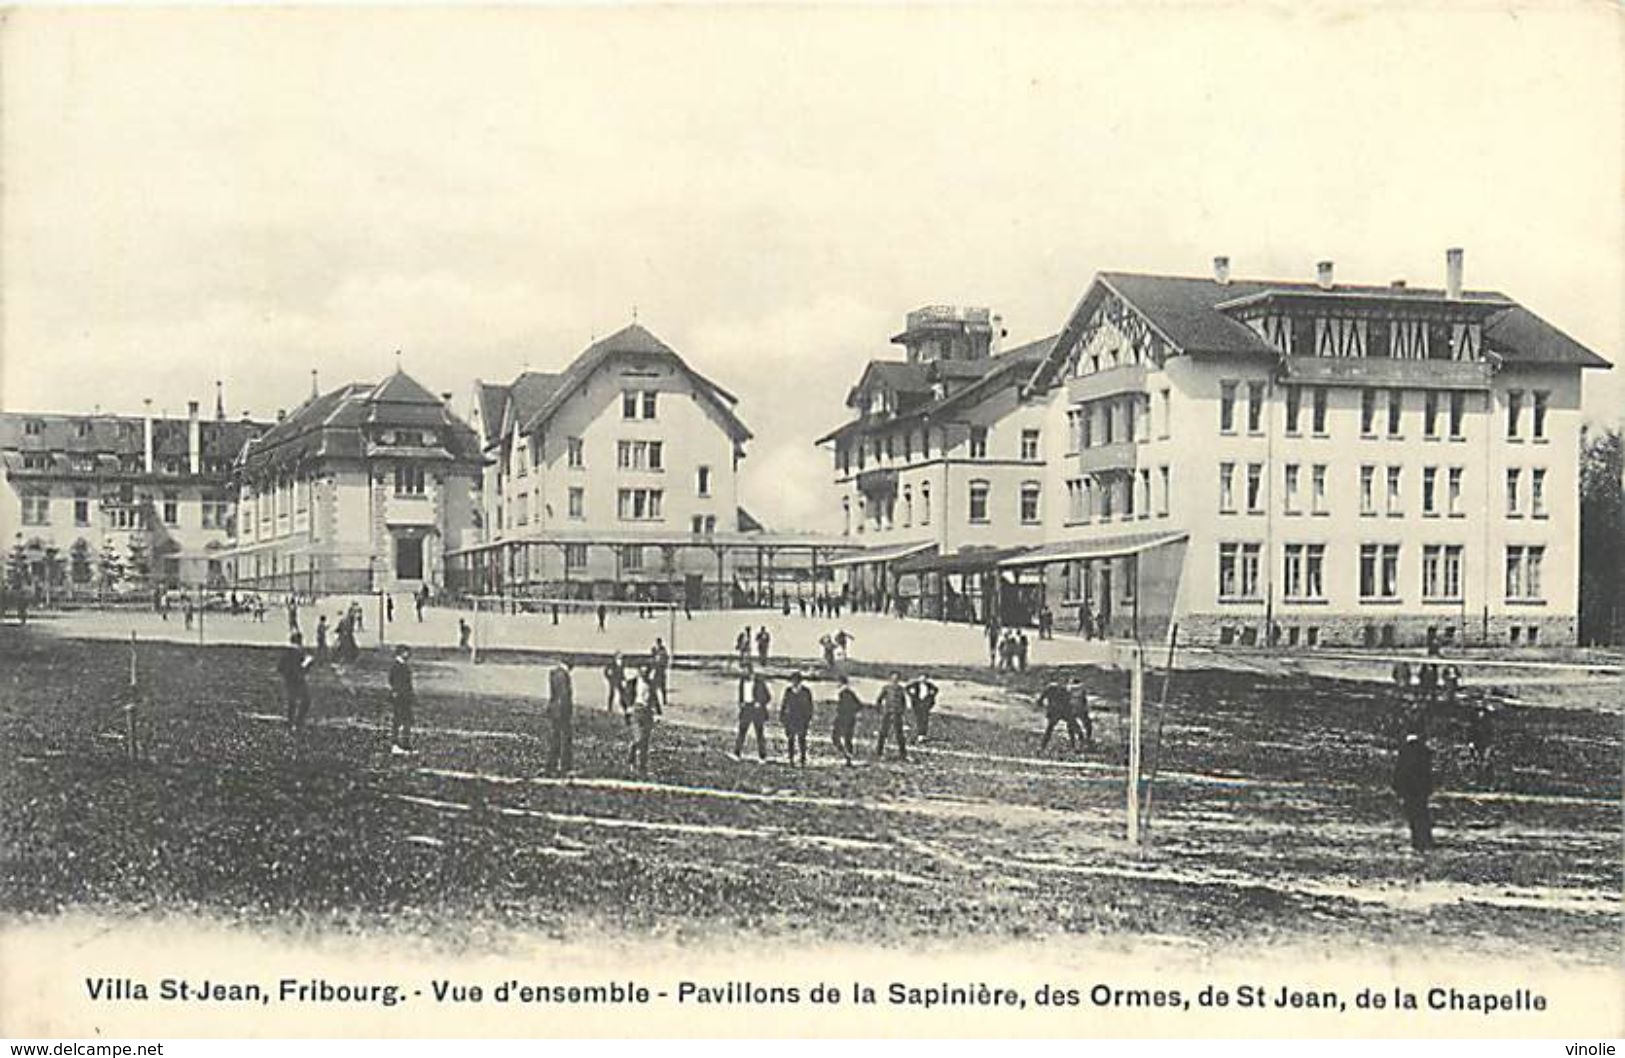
(618, 478)
(1309, 463)
(941, 471)
(363, 488)
(97, 503)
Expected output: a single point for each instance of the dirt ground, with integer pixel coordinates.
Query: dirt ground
(1271, 816)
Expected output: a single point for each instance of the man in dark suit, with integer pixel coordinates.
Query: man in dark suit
(1413, 782)
(561, 716)
(796, 713)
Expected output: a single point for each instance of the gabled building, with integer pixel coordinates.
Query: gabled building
(96, 502)
(362, 488)
(618, 478)
(1310, 463)
(941, 469)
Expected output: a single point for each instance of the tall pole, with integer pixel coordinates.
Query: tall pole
(474, 639)
(1136, 724)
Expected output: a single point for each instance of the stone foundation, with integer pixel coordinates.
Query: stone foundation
(1378, 630)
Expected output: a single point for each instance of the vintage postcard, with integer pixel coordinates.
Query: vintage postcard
(1072, 520)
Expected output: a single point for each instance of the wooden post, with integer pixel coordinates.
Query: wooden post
(1136, 724)
(474, 636)
(130, 747)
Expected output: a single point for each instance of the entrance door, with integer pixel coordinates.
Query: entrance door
(409, 557)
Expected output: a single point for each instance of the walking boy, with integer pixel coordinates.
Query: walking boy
(922, 698)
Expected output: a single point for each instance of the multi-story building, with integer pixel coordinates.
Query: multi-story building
(618, 478)
(363, 488)
(96, 502)
(1311, 463)
(941, 472)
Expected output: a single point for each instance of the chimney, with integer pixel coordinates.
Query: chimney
(1452, 273)
(996, 338)
(219, 401)
(245, 415)
(1323, 274)
(1221, 270)
(314, 391)
(194, 438)
(446, 399)
(146, 430)
(1398, 284)
(281, 413)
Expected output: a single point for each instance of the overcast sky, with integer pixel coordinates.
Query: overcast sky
(248, 195)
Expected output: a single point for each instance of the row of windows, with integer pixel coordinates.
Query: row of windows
(883, 449)
(36, 509)
(979, 505)
(83, 463)
(1382, 411)
(1104, 498)
(1304, 575)
(1119, 420)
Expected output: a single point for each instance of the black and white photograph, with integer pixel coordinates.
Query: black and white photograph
(1073, 520)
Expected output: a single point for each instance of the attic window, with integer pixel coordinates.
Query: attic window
(33, 427)
(82, 428)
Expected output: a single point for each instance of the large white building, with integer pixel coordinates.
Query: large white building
(95, 502)
(363, 488)
(942, 468)
(1311, 463)
(618, 478)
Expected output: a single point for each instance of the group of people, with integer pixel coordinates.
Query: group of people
(763, 641)
(796, 712)
(1433, 687)
(1007, 649)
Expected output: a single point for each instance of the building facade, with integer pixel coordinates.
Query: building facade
(1312, 463)
(363, 488)
(98, 504)
(617, 478)
(942, 468)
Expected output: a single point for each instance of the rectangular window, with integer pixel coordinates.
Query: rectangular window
(1255, 407)
(1430, 483)
(1453, 493)
(1514, 476)
(1108, 423)
(171, 512)
(1538, 428)
(1514, 413)
(1292, 571)
(1227, 490)
(1314, 562)
(1227, 407)
(1458, 414)
(1128, 497)
(1086, 424)
(1294, 408)
(1131, 419)
(1396, 411)
(1368, 490)
(575, 556)
(1441, 572)
(1396, 502)
(578, 501)
(36, 507)
(978, 442)
(640, 455)
(978, 501)
(1320, 412)
(629, 404)
(1368, 412)
(632, 557)
(1537, 492)
(649, 401)
(1165, 499)
(1523, 573)
(1167, 413)
(81, 507)
(640, 505)
(1029, 503)
(1029, 444)
(408, 480)
(575, 453)
(1229, 571)
(1255, 487)
(703, 480)
(1317, 489)
(1379, 571)
(1289, 493)
(1430, 413)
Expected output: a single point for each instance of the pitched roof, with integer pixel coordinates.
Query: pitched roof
(491, 400)
(636, 340)
(107, 436)
(339, 424)
(1188, 312)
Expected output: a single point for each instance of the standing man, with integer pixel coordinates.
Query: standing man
(1058, 709)
(389, 609)
(463, 634)
(843, 639)
(614, 677)
(422, 600)
(764, 640)
(742, 646)
(796, 713)
(922, 698)
(1413, 782)
(892, 703)
(754, 698)
(640, 718)
(659, 667)
(293, 665)
(403, 700)
(603, 615)
(993, 644)
(561, 716)
(1480, 733)
(847, 707)
(321, 637)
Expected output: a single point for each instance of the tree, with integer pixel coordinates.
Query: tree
(1602, 537)
(138, 559)
(17, 566)
(79, 562)
(110, 565)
